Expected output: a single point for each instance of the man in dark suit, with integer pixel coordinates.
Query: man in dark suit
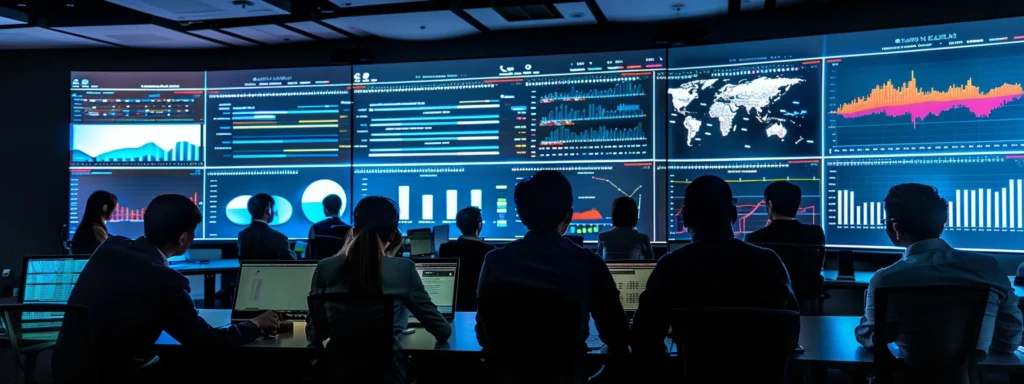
(715, 270)
(326, 227)
(799, 245)
(470, 250)
(782, 201)
(259, 241)
(132, 296)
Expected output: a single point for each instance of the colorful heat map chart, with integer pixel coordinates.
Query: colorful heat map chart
(909, 100)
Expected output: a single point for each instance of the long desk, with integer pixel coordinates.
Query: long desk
(861, 279)
(209, 270)
(828, 342)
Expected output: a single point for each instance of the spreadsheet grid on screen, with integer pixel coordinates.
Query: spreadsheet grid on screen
(843, 116)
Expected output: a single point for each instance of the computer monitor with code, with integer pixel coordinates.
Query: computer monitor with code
(631, 279)
(48, 280)
(439, 278)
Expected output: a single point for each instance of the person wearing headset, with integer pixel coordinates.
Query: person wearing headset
(259, 241)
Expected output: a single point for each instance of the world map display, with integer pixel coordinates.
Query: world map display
(746, 112)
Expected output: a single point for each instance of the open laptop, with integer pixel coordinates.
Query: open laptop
(421, 242)
(280, 286)
(631, 279)
(48, 280)
(440, 278)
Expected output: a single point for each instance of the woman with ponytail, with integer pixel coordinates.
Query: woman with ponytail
(367, 265)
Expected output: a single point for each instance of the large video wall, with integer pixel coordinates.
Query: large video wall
(843, 116)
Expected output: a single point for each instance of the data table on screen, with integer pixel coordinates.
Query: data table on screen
(755, 110)
(748, 180)
(134, 189)
(983, 194)
(298, 195)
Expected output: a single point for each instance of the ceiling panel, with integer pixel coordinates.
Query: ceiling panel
(431, 25)
(269, 33)
(656, 10)
(572, 14)
(314, 28)
(363, 3)
(142, 36)
(40, 38)
(201, 9)
(223, 37)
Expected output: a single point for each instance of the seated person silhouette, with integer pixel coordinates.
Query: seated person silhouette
(258, 241)
(545, 260)
(715, 270)
(624, 242)
(132, 296)
(799, 245)
(470, 251)
(327, 228)
(915, 217)
(92, 228)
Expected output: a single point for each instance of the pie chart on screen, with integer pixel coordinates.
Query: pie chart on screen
(313, 198)
(237, 210)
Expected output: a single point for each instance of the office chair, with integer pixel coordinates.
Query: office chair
(361, 334)
(513, 320)
(33, 342)
(322, 246)
(936, 329)
(804, 263)
(759, 353)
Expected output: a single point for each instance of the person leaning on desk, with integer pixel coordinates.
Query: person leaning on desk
(132, 296)
(367, 265)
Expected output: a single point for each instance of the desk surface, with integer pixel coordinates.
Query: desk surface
(828, 340)
(861, 278)
(195, 267)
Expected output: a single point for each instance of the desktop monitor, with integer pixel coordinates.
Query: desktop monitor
(631, 279)
(281, 286)
(441, 235)
(440, 278)
(203, 254)
(48, 280)
(420, 242)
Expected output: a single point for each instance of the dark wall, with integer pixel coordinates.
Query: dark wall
(34, 96)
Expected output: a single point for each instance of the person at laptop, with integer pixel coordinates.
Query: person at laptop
(916, 215)
(715, 270)
(258, 241)
(470, 251)
(624, 242)
(92, 227)
(544, 260)
(799, 245)
(132, 296)
(367, 266)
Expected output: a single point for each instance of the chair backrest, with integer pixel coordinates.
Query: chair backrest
(706, 336)
(33, 330)
(804, 263)
(936, 328)
(529, 332)
(324, 245)
(361, 333)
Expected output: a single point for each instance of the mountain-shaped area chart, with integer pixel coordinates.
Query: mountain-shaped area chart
(909, 100)
(181, 151)
(136, 144)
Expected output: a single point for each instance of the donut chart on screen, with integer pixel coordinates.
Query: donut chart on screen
(313, 197)
(237, 210)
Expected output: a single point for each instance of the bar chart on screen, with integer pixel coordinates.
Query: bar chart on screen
(984, 197)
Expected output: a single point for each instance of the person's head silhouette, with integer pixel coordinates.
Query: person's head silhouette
(708, 207)
(170, 223)
(544, 201)
(914, 212)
